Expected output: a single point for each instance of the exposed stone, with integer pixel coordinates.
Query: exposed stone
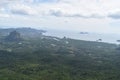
(13, 36)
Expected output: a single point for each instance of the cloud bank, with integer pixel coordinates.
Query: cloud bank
(86, 15)
(62, 8)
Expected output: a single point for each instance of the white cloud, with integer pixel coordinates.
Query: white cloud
(65, 14)
(22, 10)
(115, 14)
(59, 13)
(4, 15)
(62, 8)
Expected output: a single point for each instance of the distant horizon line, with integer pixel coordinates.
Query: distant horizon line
(49, 29)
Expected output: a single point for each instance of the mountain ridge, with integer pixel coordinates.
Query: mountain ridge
(31, 32)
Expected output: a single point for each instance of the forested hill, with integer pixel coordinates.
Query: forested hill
(52, 58)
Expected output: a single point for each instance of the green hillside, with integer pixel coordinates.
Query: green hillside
(51, 58)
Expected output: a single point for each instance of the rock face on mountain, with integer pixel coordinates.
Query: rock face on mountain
(13, 36)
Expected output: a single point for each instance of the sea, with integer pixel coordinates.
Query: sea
(87, 36)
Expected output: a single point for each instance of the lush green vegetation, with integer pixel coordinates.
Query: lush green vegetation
(50, 58)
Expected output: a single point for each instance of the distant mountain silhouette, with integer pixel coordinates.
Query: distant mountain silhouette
(13, 36)
(25, 32)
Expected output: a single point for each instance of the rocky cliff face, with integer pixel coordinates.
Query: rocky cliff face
(13, 36)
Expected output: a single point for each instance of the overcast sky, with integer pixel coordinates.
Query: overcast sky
(77, 15)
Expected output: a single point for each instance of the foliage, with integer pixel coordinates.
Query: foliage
(50, 58)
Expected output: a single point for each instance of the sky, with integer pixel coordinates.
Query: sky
(102, 16)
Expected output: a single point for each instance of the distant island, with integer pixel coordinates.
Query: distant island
(84, 33)
(118, 40)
